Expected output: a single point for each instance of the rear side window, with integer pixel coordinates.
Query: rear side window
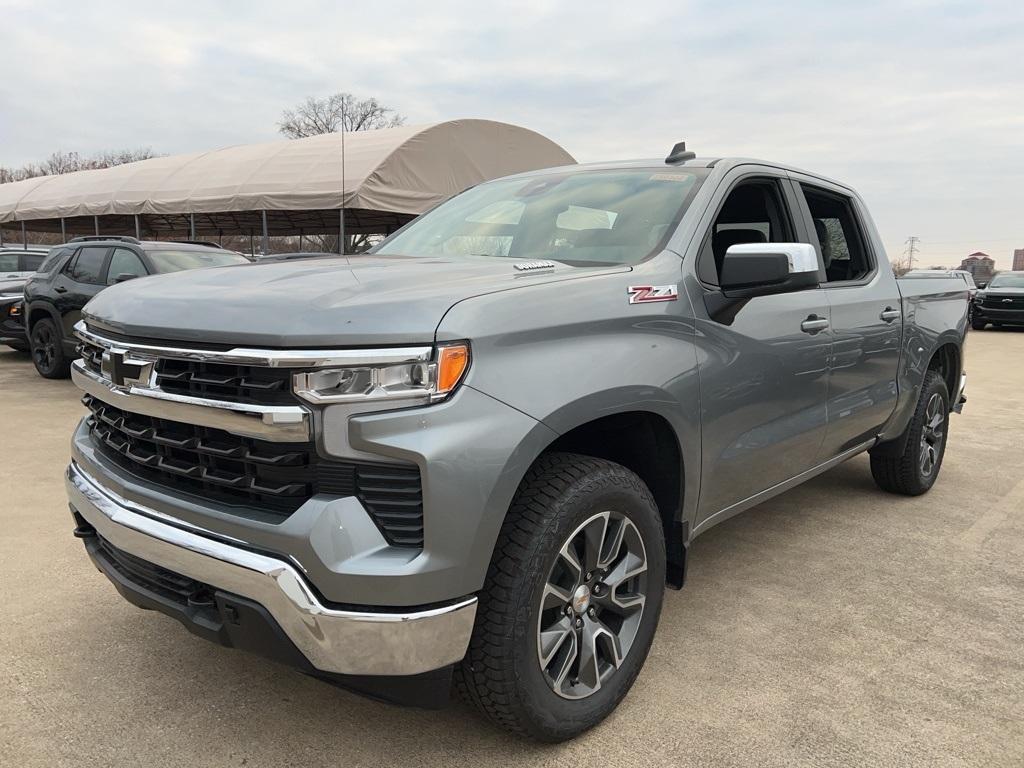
(8, 262)
(87, 266)
(840, 238)
(31, 261)
(50, 262)
(124, 262)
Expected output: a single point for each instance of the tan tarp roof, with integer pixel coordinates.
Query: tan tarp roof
(401, 170)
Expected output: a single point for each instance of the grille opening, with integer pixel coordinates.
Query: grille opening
(254, 478)
(222, 381)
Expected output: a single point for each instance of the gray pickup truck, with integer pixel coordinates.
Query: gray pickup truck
(481, 451)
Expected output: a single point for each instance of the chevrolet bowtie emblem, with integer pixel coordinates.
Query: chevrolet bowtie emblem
(125, 372)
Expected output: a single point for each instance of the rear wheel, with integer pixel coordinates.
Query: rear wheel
(48, 351)
(915, 470)
(571, 601)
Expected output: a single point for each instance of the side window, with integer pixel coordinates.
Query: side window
(50, 263)
(754, 212)
(31, 261)
(841, 241)
(124, 262)
(87, 266)
(8, 262)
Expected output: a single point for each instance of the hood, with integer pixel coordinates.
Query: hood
(354, 301)
(1008, 291)
(8, 285)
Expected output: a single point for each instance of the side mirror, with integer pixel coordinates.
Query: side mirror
(124, 276)
(764, 269)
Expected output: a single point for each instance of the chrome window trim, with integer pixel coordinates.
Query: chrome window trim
(266, 358)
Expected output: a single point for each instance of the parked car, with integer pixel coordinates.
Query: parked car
(75, 273)
(20, 262)
(484, 448)
(1000, 303)
(12, 314)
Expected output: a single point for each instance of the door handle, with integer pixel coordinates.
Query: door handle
(61, 289)
(814, 324)
(889, 314)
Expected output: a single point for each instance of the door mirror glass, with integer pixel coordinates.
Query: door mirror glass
(762, 269)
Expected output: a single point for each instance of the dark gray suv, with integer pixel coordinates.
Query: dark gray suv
(74, 274)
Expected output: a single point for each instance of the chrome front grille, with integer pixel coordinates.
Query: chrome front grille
(226, 427)
(255, 478)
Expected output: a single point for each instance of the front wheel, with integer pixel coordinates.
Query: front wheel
(978, 325)
(571, 600)
(915, 470)
(48, 351)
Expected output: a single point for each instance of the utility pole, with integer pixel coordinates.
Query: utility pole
(910, 250)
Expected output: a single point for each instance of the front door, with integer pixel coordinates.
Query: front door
(82, 278)
(764, 365)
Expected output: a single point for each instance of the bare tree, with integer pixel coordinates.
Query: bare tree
(68, 162)
(332, 114)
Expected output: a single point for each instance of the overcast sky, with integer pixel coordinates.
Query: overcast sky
(920, 105)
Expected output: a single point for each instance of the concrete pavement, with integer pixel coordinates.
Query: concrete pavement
(833, 625)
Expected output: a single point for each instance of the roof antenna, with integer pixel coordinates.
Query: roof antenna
(679, 154)
(341, 213)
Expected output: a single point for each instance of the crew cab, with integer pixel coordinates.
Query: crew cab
(481, 451)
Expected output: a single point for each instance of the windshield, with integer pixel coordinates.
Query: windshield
(1008, 281)
(176, 261)
(578, 217)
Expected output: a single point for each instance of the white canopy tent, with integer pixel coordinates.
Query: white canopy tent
(282, 187)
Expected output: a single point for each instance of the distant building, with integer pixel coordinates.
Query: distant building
(1018, 259)
(980, 265)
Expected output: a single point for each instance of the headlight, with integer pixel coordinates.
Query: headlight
(979, 297)
(424, 377)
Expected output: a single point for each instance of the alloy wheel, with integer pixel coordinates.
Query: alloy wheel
(591, 605)
(43, 348)
(933, 432)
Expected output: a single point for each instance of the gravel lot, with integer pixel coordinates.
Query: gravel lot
(833, 625)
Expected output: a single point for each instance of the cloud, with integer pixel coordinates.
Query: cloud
(917, 104)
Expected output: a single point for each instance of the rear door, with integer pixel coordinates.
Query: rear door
(764, 364)
(82, 278)
(865, 312)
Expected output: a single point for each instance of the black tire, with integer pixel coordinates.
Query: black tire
(502, 673)
(978, 325)
(48, 350)
(915, 470)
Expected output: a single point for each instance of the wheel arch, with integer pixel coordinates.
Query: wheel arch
(648, 437)
(39, 311)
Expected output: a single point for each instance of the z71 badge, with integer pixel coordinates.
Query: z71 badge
(644, 294)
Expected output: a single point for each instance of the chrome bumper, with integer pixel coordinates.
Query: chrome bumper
(343, 642)
(961, 397)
